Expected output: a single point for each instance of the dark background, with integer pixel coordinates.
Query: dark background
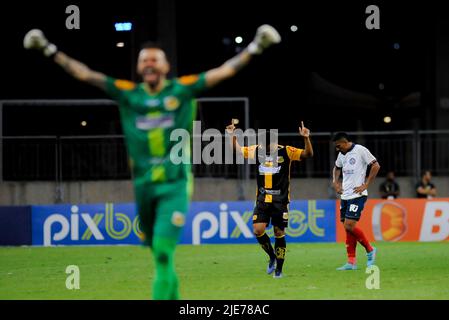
(332, 73)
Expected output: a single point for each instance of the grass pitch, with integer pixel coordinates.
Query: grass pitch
(226, 272)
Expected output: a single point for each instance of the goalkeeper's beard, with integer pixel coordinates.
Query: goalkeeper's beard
(153, 80)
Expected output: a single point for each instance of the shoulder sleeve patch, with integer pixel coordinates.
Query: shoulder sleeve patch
(124, 85)
(294, 153)
(188, 80)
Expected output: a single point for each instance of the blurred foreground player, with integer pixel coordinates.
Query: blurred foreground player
(149, 112)
(273, 191)
(353, 161)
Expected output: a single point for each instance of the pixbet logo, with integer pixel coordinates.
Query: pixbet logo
(207, 225)
(117, 225)
(219, 225)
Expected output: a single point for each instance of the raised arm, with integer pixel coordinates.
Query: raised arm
(308, 149)
(265, 37)
(230, 129)
(80, 71)
(35, 39)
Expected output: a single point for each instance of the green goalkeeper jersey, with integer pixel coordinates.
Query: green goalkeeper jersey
(148, 121)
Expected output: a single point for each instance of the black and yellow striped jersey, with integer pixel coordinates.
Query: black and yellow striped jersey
(273, 178)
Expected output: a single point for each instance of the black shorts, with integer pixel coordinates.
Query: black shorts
(276, 213)
(352, 209)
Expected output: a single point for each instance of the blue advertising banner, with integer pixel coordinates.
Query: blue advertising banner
(231, 222)
(105, 223)
(206, 222)
(15, 225)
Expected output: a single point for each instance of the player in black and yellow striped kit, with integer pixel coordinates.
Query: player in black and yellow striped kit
(273, 191)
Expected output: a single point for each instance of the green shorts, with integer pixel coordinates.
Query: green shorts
(162, 208)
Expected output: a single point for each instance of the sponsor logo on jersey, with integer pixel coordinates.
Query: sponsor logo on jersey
(152, 103)
(157, 161)
(171, 103)
(178, 219)
(147, 123)
(272, 192)
(268, 169)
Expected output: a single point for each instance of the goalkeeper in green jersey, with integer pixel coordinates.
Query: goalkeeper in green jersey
(150, 111)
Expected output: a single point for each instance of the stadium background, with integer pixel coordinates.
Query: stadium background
(332, 73)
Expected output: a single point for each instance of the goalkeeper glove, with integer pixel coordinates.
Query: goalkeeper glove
(266, 36)
(35, 39)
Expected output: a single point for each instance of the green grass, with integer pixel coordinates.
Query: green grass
(407, 271)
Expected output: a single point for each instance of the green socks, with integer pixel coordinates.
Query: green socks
(165, 284)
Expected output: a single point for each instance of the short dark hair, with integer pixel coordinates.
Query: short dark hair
(341, 135)
(151, 45)
(424, 172)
